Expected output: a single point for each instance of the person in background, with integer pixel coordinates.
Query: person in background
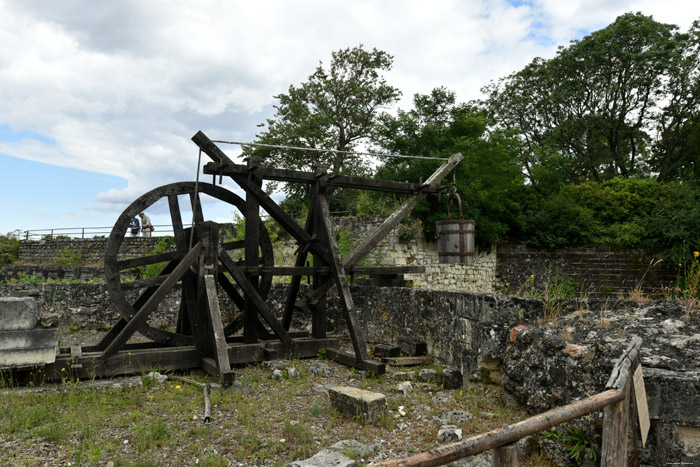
(146, 226)
(134, 227)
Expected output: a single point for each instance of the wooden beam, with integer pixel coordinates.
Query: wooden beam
(250, 291)
(140, 317)
(508, 434)
(348, 306)
(150, 259)
(389, 223)
(340, 181)
(219, 337)
(349, 359)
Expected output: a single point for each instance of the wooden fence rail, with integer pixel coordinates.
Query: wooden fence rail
(618, 425)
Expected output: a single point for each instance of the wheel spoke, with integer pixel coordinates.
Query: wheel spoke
(176, 218)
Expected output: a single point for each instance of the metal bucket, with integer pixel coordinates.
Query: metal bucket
(455, 241)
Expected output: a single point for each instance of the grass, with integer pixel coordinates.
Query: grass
(264, 422)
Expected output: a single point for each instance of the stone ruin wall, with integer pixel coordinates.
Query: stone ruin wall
(500, 339)
(513, 269)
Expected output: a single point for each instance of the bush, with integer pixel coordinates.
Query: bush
(9, 249)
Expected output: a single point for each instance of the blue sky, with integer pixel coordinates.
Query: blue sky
(100, 99)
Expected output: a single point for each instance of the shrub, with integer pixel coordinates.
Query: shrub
(9, 249)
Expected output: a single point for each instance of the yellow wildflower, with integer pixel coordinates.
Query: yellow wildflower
(696, 254)
(532, 276)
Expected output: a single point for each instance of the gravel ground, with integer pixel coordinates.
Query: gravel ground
(264, 421)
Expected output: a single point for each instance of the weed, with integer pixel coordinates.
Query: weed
(576, 441)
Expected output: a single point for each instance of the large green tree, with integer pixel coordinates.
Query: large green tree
(608, 105)
(488, 177)
(335, 108)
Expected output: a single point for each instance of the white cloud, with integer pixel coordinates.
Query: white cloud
(122, 86)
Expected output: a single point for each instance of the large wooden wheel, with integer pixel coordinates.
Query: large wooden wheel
(118, 262)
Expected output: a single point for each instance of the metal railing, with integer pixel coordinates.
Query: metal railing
(85, 232)
(98, 232)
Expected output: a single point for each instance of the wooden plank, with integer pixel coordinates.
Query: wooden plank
(250, 291)
(220, 346)
(252, 248)
(406, 361)
(340, 181)
(349, 359)
(181, 240)
(508, 434)
(140, 317)
(397, 216)
(150, 259)
(348, 306)
(613, 450)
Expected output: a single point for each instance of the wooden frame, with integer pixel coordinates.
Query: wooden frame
(202, 265)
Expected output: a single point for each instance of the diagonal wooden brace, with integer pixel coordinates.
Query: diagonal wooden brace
(142, 315)
(250, 291)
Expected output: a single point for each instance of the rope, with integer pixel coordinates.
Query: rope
(196, 196)
(374, 154)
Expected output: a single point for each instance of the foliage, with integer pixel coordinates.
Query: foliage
(409, 229)
(622, 101)
(576, 441)
(487, 179)
(335, 108)
(69, 257)
(163, 245)
(9, 249)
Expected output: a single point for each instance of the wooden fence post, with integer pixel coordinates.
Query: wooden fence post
(505, 456)
(616, 422)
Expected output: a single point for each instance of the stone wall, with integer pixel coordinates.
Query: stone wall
(600, 273)
(546, 354)
(77, 251)
(513, 269)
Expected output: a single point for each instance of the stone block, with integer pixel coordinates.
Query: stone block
(357, 402)
(18, 313)
(451, 378)
(413, 347)
(28, 347)
(387, 350)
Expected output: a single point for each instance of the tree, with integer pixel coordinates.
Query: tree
(593, 108)
(336, 108)
(676, 153)
(488, 177)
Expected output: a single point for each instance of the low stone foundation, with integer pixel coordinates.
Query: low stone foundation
(545, 353)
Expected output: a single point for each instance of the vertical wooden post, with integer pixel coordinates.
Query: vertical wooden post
(318, 307)
(201, 323)
(252, 246)
(505, 456)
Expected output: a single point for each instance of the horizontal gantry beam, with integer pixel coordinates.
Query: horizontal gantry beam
(223, 165)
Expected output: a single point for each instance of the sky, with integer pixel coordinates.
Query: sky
(99, 100)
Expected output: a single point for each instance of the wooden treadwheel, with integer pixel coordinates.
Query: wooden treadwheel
(117, 261)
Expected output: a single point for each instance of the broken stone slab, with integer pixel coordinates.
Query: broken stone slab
(452, 378)
(28, 347)
(453, 416)
(18, 313)
(448, 433)
(357, 402)
(336, 455)
(427, 374)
